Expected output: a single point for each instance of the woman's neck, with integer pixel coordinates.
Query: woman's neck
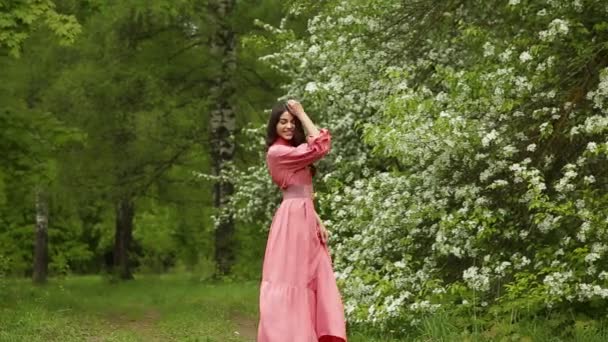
(282, 141)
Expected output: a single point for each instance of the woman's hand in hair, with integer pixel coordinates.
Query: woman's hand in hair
(295, 108)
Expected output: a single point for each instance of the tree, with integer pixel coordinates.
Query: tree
(41, 241)
(30, 141)
(17, 20)
(19, 17)
(136, 86)
(133, 104)
(222, 123)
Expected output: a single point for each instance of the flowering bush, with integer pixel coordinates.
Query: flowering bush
(469, 152)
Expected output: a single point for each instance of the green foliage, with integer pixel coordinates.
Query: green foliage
(19, 17)
(468, 157)
(154, 236)
(119, 113)
(4, 268)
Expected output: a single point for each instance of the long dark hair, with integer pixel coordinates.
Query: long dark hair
(299, 137)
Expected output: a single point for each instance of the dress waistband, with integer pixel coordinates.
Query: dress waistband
(298, 191)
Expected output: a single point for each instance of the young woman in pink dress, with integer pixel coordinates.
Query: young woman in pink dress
(299, 298)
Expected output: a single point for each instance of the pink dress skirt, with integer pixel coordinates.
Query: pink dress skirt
(299, 298)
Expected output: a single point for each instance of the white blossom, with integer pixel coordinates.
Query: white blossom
(525, 57)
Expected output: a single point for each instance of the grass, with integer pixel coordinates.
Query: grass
(151, 308)
(439, 328)
(180, 308)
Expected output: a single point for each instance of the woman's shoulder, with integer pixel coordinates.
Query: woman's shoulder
(278, 149)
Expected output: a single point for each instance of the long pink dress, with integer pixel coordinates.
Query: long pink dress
(299, 298)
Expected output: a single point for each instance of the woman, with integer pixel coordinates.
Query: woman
(299, 298)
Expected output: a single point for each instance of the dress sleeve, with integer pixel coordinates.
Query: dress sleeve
(295, 158)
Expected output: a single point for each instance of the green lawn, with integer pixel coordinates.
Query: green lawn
(179, 308)
(150, 308)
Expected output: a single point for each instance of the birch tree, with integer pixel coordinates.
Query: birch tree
(222, 124)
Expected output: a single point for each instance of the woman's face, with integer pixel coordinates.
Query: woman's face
(286, 125)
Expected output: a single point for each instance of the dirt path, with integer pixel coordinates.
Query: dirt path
(143, 326)
(246, 326)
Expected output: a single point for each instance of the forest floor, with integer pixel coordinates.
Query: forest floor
(179, 307)
(149, 308)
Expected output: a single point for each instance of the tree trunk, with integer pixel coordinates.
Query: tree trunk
(125, 211)
(223, 127)
(41, 259)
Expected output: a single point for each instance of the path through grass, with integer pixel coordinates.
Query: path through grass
(150, 308)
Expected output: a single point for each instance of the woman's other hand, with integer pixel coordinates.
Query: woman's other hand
(323, 233)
